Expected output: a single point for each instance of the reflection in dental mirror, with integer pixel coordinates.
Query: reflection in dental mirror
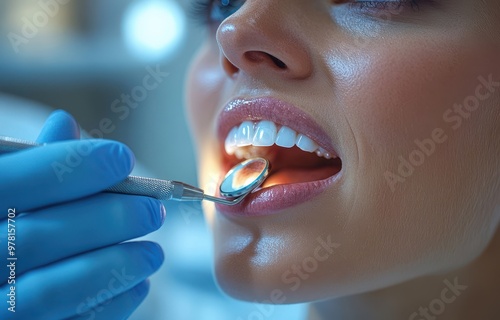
(244, 177)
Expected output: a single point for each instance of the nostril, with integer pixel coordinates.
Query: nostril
(230, 68)
(277, 62)
(259, 56)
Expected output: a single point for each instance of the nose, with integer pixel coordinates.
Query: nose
(263, 39)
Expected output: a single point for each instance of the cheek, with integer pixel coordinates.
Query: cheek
(406, 92)
(203, 94)
(401, 96)
(204, 84)
(421, 94)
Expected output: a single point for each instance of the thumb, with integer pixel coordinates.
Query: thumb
(59, 126)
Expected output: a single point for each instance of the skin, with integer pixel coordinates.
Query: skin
(375, 86)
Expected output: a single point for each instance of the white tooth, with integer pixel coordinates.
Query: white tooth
(265, 134)
(327, 156)
(321, 152)
(245, 134)
(305, 143)
(286, 137)
(230, 144)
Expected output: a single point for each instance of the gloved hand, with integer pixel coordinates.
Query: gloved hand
(67, 236)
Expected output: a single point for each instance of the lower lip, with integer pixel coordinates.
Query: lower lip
(275, 199)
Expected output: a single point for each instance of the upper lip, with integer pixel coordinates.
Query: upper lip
(278, 111)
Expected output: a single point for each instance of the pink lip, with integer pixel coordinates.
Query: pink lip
(276, 198)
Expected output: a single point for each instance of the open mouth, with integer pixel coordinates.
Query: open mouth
(302, 158)
(293, 156)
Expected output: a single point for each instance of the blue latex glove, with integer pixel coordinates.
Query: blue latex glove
(71, 263)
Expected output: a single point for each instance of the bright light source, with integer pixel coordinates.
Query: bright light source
(153, 28)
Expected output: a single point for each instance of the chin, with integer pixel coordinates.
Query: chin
(279, 258)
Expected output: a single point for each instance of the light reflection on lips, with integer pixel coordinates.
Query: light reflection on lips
(288, 186)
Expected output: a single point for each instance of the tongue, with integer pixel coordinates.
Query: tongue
(298, 175)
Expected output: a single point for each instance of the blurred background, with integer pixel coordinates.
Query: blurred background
(119, 67)
(86, 54)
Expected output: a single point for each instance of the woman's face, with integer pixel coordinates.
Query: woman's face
(408, 100)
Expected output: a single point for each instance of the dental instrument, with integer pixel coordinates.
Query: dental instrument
(240, 180)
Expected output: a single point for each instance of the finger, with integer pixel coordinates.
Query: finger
(59, 126)
(76, 284)
(59, 172)
(119, 307)
(54, 233)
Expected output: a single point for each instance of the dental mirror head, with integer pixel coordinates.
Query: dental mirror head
(244, 178)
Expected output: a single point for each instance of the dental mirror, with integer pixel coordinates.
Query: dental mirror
(238, 182)
(241, 180)
(244, 177)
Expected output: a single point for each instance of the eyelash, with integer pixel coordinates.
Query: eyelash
(201, 10)
(385, 4)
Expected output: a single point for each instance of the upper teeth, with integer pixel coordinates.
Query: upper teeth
(266, 133)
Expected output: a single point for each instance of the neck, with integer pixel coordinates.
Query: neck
(467, 293)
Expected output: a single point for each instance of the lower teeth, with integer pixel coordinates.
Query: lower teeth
(264, 152)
